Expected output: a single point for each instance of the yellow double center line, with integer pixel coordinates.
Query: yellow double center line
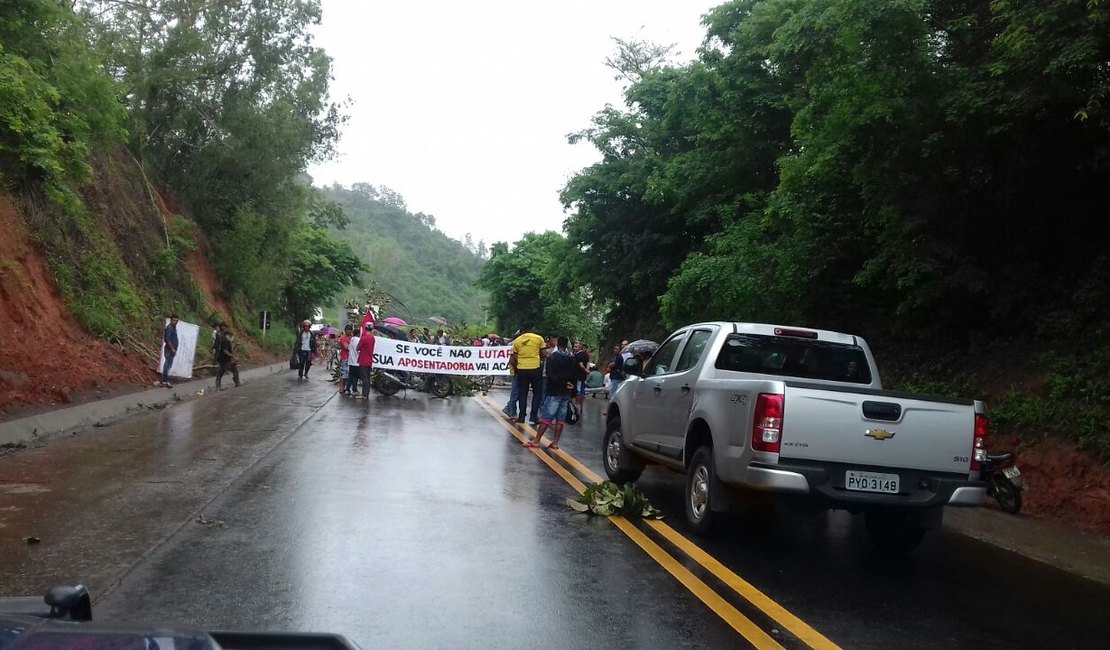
(732, 616)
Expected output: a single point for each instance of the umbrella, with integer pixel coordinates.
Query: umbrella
(641, 348)
(329, 330)
(393, 320)
(440, 320)
(392, 331)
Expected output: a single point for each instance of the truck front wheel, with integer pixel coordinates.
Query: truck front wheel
(620, 465)
(699, 478)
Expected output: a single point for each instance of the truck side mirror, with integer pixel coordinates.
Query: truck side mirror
(633, 367)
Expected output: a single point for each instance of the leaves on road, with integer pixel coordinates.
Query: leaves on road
(608, 499)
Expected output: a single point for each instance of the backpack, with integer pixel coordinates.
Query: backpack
(572, 412)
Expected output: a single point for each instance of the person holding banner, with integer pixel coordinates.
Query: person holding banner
(352, 363)
(344, 356)
(527, 356)
(514, 393)
(169, 349)
(365, 347)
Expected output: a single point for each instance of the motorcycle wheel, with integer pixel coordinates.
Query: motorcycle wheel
(441, 386)
(1008, 497)
(387, 386)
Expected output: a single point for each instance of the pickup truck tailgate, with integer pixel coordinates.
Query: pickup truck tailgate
(911, 432)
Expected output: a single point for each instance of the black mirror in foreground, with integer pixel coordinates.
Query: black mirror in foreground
(63, 619)
(633, 367)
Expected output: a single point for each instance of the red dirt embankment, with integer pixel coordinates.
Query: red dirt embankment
(1063, 483)
(45, 355)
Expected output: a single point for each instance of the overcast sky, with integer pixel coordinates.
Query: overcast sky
(464, 107)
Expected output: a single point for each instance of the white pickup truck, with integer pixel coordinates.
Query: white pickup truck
(742, 407)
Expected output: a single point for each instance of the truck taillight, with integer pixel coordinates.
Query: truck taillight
(767, 425)
(979, 450)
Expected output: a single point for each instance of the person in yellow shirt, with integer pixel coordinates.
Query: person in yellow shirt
(527, 357)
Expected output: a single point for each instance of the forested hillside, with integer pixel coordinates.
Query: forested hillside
(929, 174)
(427, 272)
(143, 143)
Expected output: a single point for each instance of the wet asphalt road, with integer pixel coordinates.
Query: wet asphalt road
(422, 523)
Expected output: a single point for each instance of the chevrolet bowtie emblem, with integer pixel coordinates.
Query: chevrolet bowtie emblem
(879, 434)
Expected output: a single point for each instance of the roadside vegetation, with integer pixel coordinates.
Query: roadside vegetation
(109, 108)
(930, 175)
(422, 271)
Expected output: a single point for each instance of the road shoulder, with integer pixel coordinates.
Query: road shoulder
(1064, 548)
(42, 427)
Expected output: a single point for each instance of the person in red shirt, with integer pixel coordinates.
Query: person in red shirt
(365, 360)
(344, 359)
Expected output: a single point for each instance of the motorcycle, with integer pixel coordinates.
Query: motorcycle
(388, 382)
(1004, 481)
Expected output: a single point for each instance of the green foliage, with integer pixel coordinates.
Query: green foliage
(320, 268)
(515, 278)
(228, 102)
(903, 169)
(426, 272)
(183, 237)
(95, 283)
(608, 499)
(54, 102)
(245, 256)
(533, 284)
(1017, 411)
(275, 340)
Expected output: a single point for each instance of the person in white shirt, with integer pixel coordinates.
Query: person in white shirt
(352, 362)
(306, 347)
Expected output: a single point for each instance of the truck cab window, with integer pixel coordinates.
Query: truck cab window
(695, 347)
(661, 361)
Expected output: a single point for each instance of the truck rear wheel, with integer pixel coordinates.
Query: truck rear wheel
(699, 478)
(892, 532)
(620, 465)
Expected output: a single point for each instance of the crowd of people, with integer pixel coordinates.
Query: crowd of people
(554, 374)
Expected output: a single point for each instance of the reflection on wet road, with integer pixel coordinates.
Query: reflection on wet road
(415, 522)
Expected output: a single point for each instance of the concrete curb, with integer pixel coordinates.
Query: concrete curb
(1082, 554)
(43, 426)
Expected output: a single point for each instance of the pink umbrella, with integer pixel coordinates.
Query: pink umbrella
(393, 320)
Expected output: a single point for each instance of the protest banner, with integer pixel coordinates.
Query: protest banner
(187, 335)
(440, 359)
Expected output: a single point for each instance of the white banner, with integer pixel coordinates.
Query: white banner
(182, 365)
(440, 359)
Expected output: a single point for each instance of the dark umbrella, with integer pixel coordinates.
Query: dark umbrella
(642, 348)
(392, 331)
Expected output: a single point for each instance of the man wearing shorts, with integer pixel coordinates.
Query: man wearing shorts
(560, 367)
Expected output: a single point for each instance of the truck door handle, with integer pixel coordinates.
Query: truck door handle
(686, 388)
(658, 389)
